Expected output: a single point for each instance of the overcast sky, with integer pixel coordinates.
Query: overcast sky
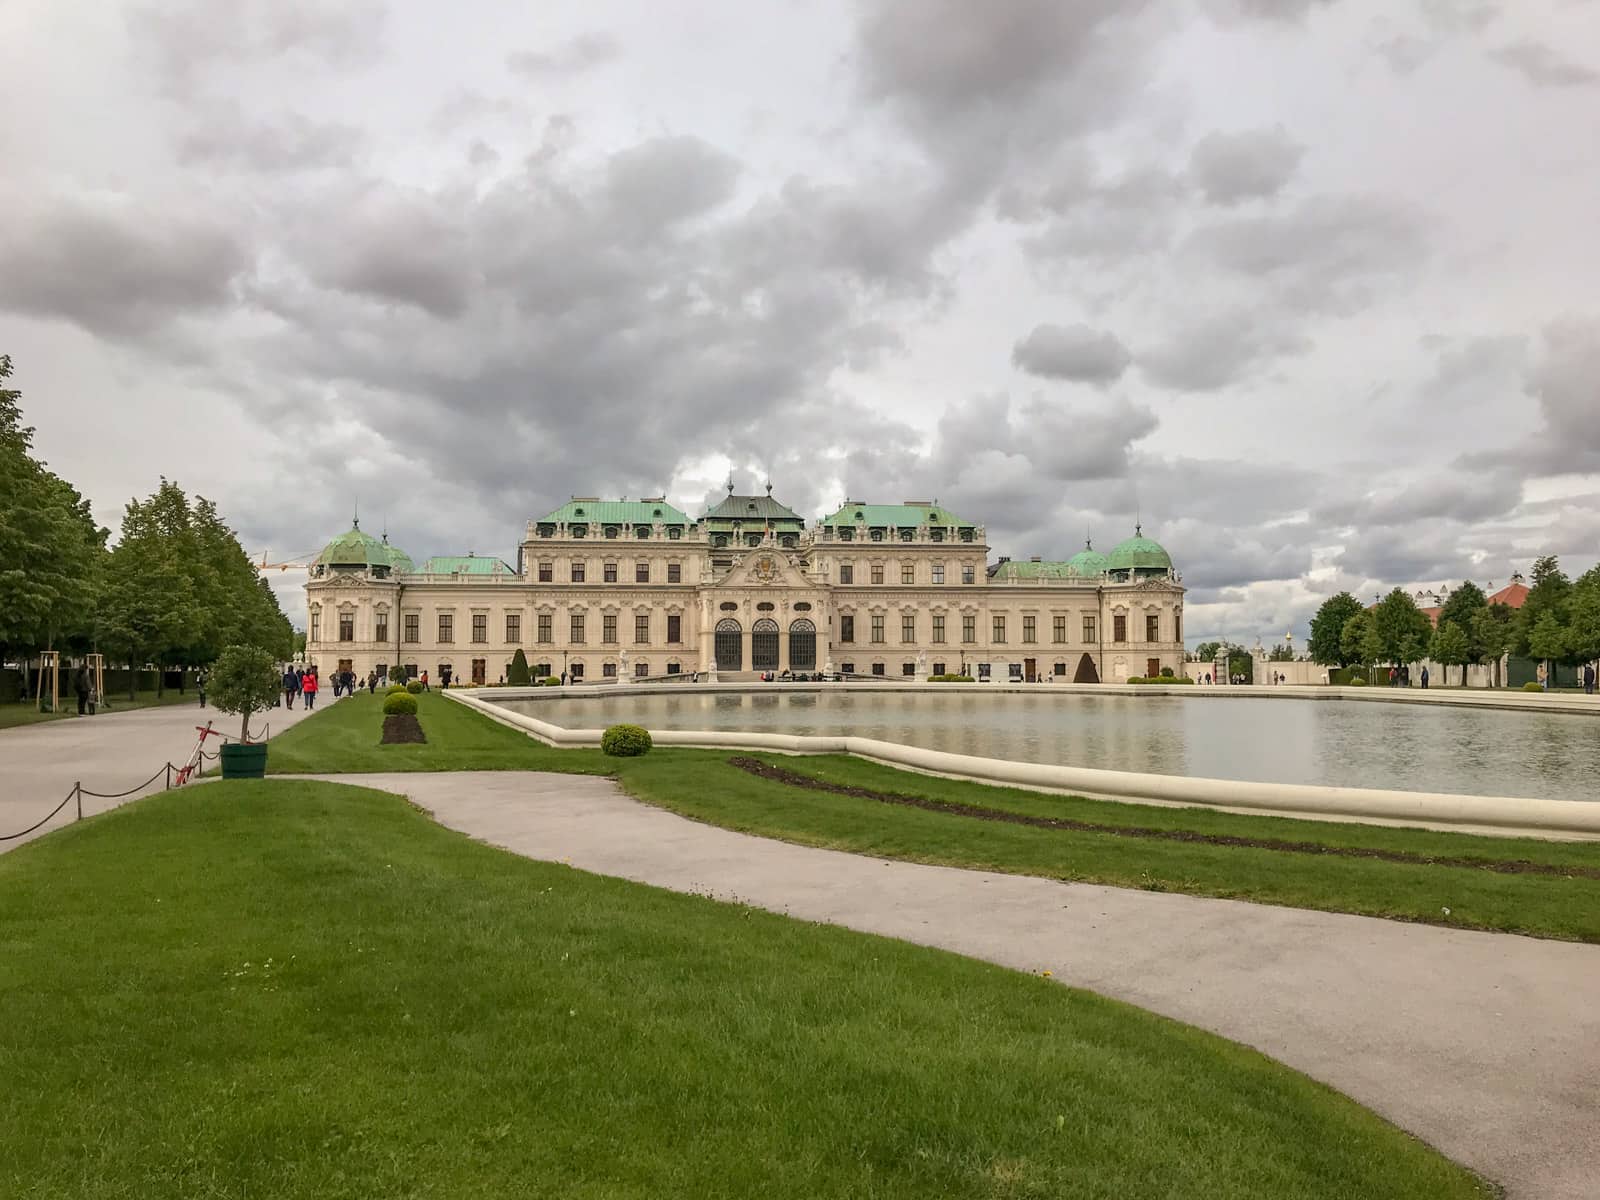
(1309, 285)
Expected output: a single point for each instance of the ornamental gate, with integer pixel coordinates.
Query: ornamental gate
(802, 645)
(729, 644)
(764, 645)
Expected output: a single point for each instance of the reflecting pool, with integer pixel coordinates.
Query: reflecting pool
(1412, 747)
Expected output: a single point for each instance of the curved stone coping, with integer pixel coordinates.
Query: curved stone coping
(1559, 702)
(1442, 809)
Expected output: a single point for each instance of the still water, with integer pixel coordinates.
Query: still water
(1411, 747)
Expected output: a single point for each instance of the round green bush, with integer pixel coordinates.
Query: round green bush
(625, 741)
(400, 704)
(394, 689)
(1533, 685)
(414, 687)
(552, 681)
(1356, 681)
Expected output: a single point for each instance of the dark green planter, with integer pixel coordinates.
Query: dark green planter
(244, 760)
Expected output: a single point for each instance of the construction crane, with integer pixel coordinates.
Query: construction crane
(295, 562)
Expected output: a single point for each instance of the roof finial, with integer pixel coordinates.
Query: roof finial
(730, 481)
(1088, 538)
(1138, 524)
(769, 487)
(355, 517)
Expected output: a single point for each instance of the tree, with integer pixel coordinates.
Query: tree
(1208, 651)
(1583, 617)
(1356, 640)
(1403, 630)
(1327, 630)
(148, 603)
(517, 675)
(1547, 640)
(1547, 595)
(244, 680)
(1450, 647)
(1281, 653)
(1492, 635)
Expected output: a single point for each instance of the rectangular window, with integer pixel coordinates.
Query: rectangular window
(1177, 627)
(641, 669)
(608, 629)
(968, 574)
(938, 668)
(938, 573)
(1088, 630)
(513, 628)
(877, 628)
(908, 668)
(641, 627)
(847, 628)
(908, 573)
(1058, 631)
(674, 572)
(847, 573)
(546, 634)
(877, 668)
(847, 668)
(347, 627)
(672, 667)
(1152, 628)
(608, 671)
(547, 572)
(1119, 628)
(480, 627)
(999, 630)
(938, 633)
(447, 628)
(413, 627)
(641, 572)
(1061, 669)
(577, 629)
(608, 573)
(577, 572)
(1028, 630)
(381, 633)
(674, 628)
(969, 628)
(908, 628)
(877, 573)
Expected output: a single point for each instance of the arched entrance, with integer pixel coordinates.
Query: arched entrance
(729, 645)
(1086, 672)
(764, 645)
(802, 645)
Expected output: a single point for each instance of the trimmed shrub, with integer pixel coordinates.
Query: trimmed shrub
(394, 689)
(552, 681)
(400, 704)
(1356, 681)
(625, 741)
(1162, 680)
(1533, 685)
(951, 679)
(1167, 673)
(415, 687)
(517, 674)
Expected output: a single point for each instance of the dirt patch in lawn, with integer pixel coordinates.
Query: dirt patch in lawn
(402, 729)
(955, 808)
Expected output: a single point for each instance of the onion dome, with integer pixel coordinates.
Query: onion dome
(1139, 556)
(399, 561)
(1088, 562)
(354, 551)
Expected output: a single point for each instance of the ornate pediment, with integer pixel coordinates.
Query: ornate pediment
(766, 567)
(1155, 585)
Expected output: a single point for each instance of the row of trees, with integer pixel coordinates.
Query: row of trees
(175, 589)
(1559, 622)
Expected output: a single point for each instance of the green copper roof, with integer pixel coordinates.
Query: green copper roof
(1033, 570)
(1089, 562)
(752, 508)
(1139, 553)
(900, 516)
(354, 549)
(399, 561)
(616, 512)
(466, 564)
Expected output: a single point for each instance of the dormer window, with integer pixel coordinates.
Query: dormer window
(577, 512)
(966, 535)
(877, 535)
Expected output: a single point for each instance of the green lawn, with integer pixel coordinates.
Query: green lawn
(292, 989)
(12, 715)
(703, 785)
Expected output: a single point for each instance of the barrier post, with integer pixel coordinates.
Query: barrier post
(169, 777)
(77, 791)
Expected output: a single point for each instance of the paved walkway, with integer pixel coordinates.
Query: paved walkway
(1485, 1045)
(108, 753)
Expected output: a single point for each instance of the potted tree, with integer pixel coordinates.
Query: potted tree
(244, 681)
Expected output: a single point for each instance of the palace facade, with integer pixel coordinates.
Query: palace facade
(603, 590)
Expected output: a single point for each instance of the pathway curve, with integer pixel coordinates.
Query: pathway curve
(1485, 1045)
(109, 752)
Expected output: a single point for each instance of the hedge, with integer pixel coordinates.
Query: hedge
(951, 679)
(625, 741)
(400, 704)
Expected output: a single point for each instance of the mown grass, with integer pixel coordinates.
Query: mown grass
(23, 712)
(704, 786)
(296, 989)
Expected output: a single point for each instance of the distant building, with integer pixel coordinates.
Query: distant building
(603, 589)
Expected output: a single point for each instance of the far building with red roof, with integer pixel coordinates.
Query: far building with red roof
(1513, 595)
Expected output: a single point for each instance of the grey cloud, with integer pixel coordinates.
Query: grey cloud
(582, 53)
(1218, 348)
(227, 136)
(1544, 67)
(113, 266)
(188, 38)
(667, 180)
(1073, 352)
(1566, 382)
(1231, 167)
(1459, 16)
(1283, 12)
(1103, 220)
(1413, 497)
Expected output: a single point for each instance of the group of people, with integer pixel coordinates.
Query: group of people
(302, 682)
(346, 682)
(1232, 679)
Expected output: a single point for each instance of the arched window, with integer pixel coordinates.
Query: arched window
(729, 645)
(802, 645)
(764, 645)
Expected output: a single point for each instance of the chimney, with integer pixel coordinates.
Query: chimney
(1004, 559)
(1036, 558)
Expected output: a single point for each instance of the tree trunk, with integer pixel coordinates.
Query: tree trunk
(244, 728)
(133, 676)
(161, 679)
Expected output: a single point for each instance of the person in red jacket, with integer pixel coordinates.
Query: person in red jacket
(308, 689)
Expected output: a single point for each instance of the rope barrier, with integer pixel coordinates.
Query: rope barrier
(11, 837)
(129, 792)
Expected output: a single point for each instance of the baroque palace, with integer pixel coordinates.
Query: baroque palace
(604, 590)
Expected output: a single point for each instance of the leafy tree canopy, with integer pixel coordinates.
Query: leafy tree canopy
(1327, 630)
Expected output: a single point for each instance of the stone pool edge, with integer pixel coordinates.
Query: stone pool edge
(1501, 815)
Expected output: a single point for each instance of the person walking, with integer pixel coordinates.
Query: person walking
(308, 689)
(291, 685)
(200, 686)
(372, 682)
(424, 681)
(1588, 679)
(1424, 677)
(80, 685)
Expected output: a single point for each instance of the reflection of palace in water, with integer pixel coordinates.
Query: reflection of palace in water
(604, 589)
